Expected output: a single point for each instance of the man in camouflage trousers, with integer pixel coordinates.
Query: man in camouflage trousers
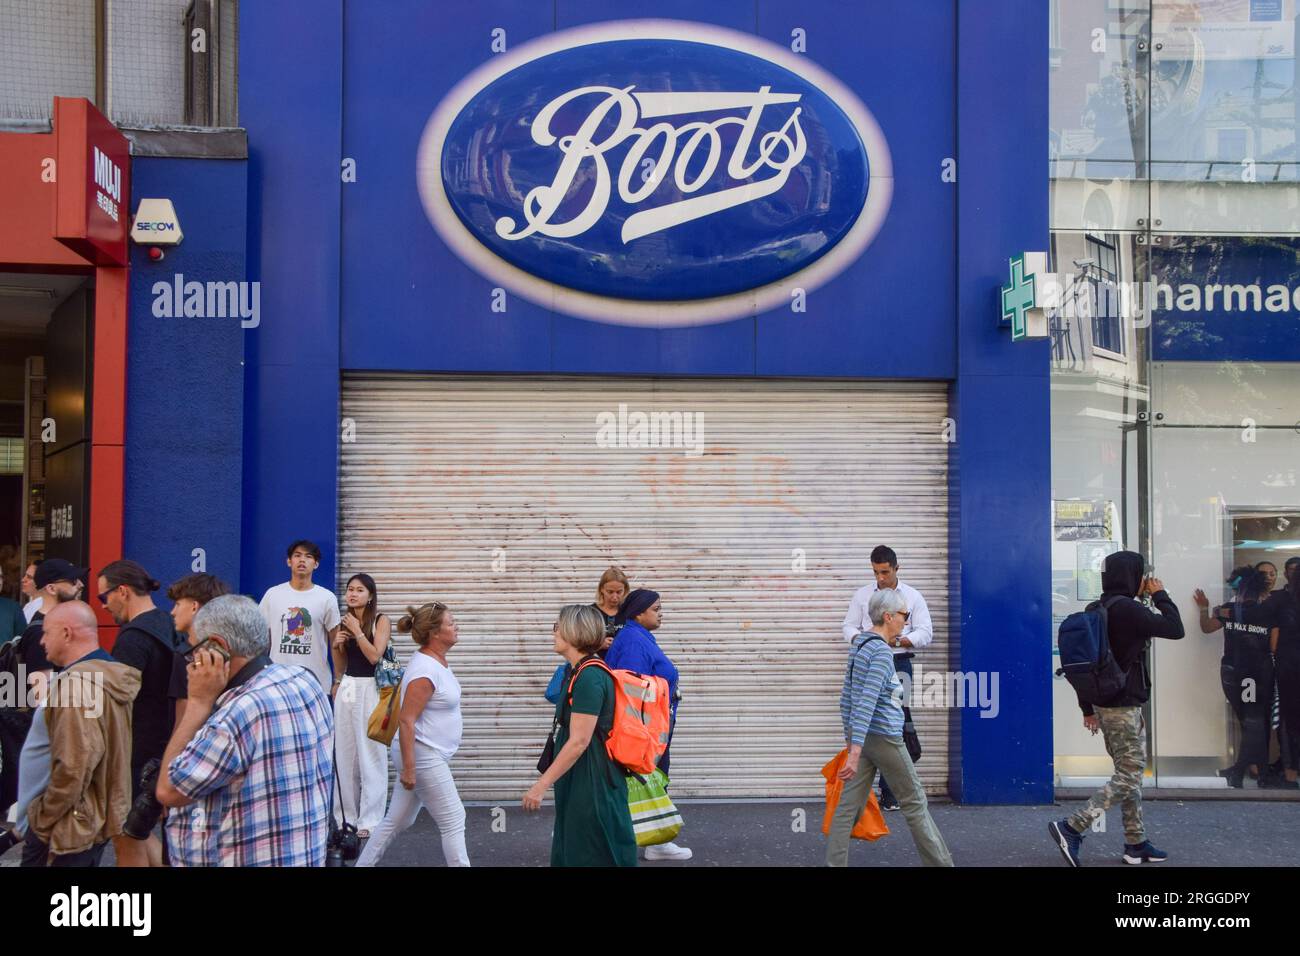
(1129, 627)
(1125, 733)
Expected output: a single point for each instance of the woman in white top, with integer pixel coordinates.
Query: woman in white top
(428, 735)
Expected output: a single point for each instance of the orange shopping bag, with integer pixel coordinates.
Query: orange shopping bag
(871, 824)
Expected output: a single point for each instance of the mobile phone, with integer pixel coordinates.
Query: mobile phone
(207, 644)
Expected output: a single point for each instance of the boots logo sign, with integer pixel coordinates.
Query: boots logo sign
(654, 172)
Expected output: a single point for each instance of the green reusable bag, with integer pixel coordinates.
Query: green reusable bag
(654, 818)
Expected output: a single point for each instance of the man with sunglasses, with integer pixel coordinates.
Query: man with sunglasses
(918, 631)
(146, 641)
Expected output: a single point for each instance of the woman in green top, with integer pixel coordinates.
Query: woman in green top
(592, 824)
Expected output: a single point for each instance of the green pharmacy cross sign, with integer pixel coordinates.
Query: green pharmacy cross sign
(1024, 299)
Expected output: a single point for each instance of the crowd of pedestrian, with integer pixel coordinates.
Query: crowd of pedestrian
(234, 733)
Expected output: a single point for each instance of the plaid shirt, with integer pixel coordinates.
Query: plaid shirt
(259, 772)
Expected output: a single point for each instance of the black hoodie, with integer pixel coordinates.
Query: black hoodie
(1130, 626)
(148, 643)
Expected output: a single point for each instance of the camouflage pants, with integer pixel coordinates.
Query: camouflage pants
(1125, 733)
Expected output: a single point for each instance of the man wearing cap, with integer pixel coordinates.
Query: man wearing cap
(57, 581)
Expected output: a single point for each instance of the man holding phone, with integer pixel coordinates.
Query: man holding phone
(1129, 628)
(250, 764)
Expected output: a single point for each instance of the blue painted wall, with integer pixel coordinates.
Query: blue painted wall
(355, 277)
(1001, 461)
(185, 393)
(290, 103)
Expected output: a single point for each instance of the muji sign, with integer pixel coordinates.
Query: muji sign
(92, 180)
(654, 172)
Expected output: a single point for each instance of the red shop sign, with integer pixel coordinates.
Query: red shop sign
(93, 183)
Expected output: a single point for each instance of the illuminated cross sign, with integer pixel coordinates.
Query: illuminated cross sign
(1026, 295)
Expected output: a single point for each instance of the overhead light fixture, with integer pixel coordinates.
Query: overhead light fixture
(26, 292)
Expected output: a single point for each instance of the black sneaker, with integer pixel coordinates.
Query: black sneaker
(1279, 783)
(889, 803)
(1068, 840)
(1143, 852)
(1235, 776)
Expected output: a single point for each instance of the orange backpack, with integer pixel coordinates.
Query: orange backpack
(642, 717)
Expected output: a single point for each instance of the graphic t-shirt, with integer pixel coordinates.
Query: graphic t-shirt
(1246, 630)
(300, 622)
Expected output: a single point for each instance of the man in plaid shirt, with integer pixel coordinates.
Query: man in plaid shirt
(250, 765)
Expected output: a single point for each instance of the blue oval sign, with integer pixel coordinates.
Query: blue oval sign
(623, 169)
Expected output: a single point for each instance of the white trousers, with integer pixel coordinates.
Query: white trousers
(362, 787)
(435, 791)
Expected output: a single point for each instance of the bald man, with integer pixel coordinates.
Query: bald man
(74, 776)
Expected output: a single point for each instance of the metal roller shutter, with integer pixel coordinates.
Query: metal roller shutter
(492, 495)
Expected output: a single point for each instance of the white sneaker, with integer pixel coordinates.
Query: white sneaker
(668, 851)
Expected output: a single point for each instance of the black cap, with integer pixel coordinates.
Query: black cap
(56, 569)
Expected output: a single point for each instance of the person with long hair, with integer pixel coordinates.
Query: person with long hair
(429, 727)
(362, 763)
(146, 641)
(593, 826)
(1249, 625)
(611, 590)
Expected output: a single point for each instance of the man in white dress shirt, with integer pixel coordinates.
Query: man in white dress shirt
(918, 632)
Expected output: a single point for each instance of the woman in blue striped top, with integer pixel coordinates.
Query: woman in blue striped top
(871, 707)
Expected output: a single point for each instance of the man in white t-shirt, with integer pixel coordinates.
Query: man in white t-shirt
(303, 617)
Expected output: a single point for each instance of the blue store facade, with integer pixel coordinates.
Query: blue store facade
(404, 389)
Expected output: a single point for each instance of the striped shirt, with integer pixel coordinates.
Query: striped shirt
(259, 773)
(871, 701)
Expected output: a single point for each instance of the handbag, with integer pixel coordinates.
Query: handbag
(910, 740)
(382, 725)
(870, 824)
(388, 672)
(548, 750)
(655, 819)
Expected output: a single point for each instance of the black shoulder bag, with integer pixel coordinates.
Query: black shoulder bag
(910, 738)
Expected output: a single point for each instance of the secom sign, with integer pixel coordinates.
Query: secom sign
(654, 172)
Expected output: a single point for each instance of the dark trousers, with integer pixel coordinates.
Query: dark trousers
(14, 724)
(1251, 679)
(903, 665)
(1288, 687)
(37, 853)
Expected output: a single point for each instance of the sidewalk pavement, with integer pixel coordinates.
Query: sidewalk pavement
(1194, 833)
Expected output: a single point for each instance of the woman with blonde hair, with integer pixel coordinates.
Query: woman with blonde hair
(610, 592)
(429, 729)
(593, 826)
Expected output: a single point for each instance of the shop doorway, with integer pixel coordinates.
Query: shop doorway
(46, 331)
